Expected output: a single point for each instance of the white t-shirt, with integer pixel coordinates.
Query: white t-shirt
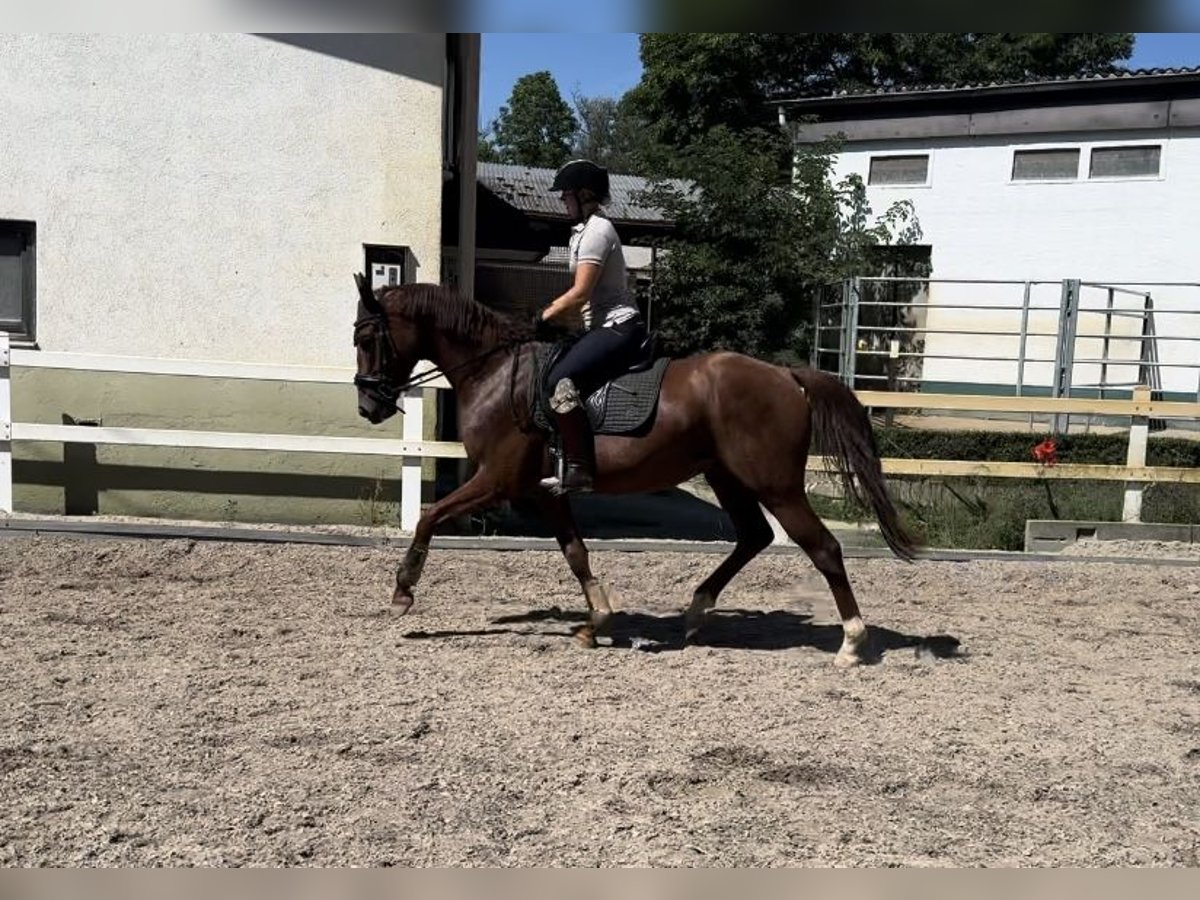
(596, 241)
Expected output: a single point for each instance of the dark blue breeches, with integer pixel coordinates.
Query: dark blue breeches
(599, 356)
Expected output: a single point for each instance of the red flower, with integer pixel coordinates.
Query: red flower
(1046, 452)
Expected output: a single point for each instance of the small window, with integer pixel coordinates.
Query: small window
(1125, 162)
(1041, 165)
(899, 169)
(16, 279)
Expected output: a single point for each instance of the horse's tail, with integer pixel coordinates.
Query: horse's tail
(842, 431)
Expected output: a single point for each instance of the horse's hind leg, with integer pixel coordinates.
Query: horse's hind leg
(806, 529)
(753, 536)
(598, 595)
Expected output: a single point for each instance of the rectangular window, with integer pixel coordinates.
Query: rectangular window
(899, 169)
(1041, 165)
(1125, 162)
(16, 278)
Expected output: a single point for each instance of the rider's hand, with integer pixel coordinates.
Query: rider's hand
(544, 329)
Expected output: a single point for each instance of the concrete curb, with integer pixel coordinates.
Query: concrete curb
(1052, 535)
(10, 527)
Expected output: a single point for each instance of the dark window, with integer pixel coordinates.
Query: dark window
(1125, 162)
(16, 279)
(1037, 165)
(899, 169)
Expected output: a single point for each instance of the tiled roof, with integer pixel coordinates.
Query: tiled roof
(1114, 77)
(528, 189)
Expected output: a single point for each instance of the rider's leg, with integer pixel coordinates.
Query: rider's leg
(594, 358)
(578, 444)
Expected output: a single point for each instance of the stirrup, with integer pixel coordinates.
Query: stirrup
(555, 485)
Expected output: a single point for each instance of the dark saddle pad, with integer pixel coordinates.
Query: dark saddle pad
(620, 406)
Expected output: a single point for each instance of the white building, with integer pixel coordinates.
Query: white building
(209, 196)
(1096, 179)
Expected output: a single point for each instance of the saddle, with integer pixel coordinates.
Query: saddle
(624, 405)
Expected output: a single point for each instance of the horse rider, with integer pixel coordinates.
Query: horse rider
(613, 325)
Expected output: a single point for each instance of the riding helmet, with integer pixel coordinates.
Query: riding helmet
(582, 174)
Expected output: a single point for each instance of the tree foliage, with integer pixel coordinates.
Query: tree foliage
(609, 133)
(535, 128)
(749, 245)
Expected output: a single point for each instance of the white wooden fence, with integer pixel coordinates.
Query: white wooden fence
(412, 448)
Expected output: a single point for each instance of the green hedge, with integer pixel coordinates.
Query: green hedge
(1008, 446)
(990, 513)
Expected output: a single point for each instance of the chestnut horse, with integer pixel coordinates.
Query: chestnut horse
(743, 424)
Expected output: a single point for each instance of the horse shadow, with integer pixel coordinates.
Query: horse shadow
(732, 629)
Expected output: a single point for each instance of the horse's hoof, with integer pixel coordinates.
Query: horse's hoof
(848, 660)
(695, 615)
(402, 599)
(602, 621)
(586, 637)
(693, 625)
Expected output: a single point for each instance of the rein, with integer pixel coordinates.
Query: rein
(437, 371)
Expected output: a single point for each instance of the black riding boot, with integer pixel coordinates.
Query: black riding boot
(579, 453)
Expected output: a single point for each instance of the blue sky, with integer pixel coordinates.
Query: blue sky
(606, 64)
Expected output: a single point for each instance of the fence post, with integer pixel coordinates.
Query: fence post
(410, 477)
(855, 296)
(814, 352)
(1064, 354)
(1139, 433)
(843, 328)
(6, 483)
(1024, 340)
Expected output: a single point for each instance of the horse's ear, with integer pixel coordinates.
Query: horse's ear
(365, 294)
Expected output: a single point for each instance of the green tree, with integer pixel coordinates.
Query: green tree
(487, 150)
(748, 246)
(597, 118)
(609, 133)
(536, 126)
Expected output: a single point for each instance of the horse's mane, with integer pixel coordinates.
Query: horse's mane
(452, 313)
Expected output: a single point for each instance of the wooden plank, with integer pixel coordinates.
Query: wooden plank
(228, 440)
(978, 403)
(194, 368)
(981, 469)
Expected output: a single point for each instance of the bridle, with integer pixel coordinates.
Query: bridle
(381, 384)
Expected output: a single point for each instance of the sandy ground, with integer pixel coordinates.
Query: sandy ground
(180, 703)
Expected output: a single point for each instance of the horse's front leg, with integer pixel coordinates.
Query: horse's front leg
(479, 492)
(598, 595)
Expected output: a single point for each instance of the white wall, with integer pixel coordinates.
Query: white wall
(208, 195)
(982, 225)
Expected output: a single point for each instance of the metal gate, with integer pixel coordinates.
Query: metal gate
(1067, 338)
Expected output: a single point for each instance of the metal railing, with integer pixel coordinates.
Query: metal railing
(1063, 337)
